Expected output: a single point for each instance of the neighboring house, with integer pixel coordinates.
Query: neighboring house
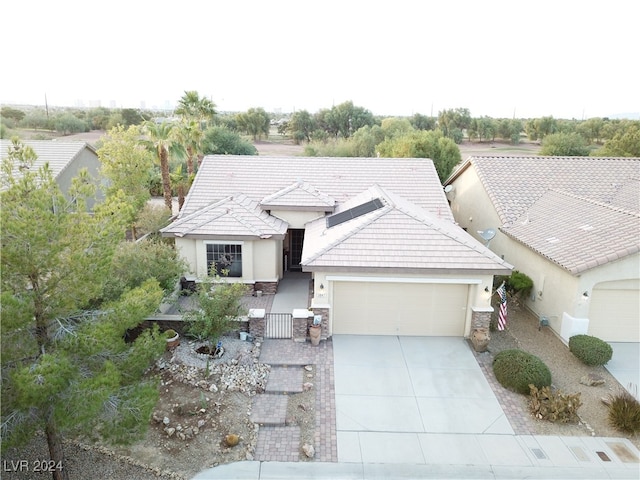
(377, 235)
(572, 224)
(65, 159)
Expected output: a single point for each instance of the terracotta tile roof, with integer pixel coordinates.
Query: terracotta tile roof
(338, 178)
(58, 154)
(580, 234)
(233, 216)
(301, 195)
(515, 183)
(398, 235)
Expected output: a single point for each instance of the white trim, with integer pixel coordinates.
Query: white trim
(223, 242)
(464, 281)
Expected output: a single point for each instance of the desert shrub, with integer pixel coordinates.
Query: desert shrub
(590, 350)
(624, 412)
(217, 306)
(517, 283)
(546, 404)
(516, 370)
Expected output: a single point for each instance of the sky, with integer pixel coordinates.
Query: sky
(565, 58)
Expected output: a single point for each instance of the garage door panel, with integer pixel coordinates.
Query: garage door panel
(374, 308)
(614, 313)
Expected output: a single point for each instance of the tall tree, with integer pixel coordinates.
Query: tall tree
(625, 143)
(301, 126)
(423, 122)
(564, 145)
(192, 107)
(65, 369)
(163, 143)
(344, 119)
(453, 122)
(255, 122)
(128, 166)
(424, 144)
(190, 135)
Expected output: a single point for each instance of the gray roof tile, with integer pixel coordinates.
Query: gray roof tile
(515, 183)
(586, 233)
(233, 216)
(338, 178)
(58, 154)
(398, 235)
(300, 194)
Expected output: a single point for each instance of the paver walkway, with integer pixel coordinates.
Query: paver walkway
(284, 379)
(287, 358)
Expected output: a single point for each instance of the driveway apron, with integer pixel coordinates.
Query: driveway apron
(391, 391)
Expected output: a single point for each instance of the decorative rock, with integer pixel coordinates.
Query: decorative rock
(308, 368)
(213, 388)
(182, 436)
(170, 431)
(308, 450)
(592, 380)
(166, 420)
(201, 423)
(306, 386)
(231, 440)
(480, 339)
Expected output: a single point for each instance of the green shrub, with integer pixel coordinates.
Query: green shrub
(170, 333)
(217, 306)
(516, 370)
(516, 283)
(590, 350)
(554, 406)
(624, 412)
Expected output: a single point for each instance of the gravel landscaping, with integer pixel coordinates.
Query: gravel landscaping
(193, 439)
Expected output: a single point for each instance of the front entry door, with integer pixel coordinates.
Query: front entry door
(296, 240)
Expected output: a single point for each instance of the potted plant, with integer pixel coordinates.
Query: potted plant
(315, 330)
(172, 337)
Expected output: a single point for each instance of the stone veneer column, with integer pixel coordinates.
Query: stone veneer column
(324, 311)
(480, 320)
(300, 324)
(257, 322)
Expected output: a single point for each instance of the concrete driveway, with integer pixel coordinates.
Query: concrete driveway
(392, 391)
(625, 365)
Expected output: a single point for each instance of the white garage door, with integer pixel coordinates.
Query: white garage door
(615, 310)
(371, 308)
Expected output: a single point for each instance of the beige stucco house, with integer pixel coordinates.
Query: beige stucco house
(65, 159)
(376, 234)
(572, 224)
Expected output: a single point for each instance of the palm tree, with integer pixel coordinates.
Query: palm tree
(190, 135)
(182, 182)
(163, 143)
(192, 107)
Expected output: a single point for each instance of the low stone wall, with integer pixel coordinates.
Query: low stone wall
(257, 324)
(175, 322)
(267, 288)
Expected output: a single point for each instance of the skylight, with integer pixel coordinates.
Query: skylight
(354, 212)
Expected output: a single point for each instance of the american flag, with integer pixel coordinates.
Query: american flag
(502, 314)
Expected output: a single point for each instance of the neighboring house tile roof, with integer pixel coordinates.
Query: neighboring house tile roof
(58, 154)
(233, 216)
(515, 183)
(299, 195)
(398, 235)
(338, 178)
(577, 233)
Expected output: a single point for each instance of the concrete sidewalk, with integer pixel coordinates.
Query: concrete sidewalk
(293, 292)
(465, 456)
